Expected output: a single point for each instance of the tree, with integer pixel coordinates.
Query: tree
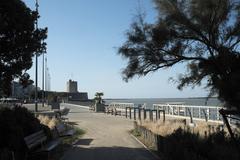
(25, 80)
(19, 41)
(203, 34)
(98, 97)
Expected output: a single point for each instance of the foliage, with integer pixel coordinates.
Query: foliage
(98, 97)
(25, 80)
(204, 35)
(15, 124)
(190, 146)
(19, 40)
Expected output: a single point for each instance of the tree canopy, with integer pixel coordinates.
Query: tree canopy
(19, 41)
(203, 34)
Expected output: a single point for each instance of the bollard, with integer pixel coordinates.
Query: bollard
(130, 113)
(150, 115)
(126, 111)
(163, 116)
(156, 114)
(144, 114)
(159, 114)
(134, 113)
(139, 113)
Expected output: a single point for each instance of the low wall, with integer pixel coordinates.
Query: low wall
(82, 103)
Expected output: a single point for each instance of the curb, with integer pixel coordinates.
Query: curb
(157, 157)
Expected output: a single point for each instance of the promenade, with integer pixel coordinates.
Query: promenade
(107, 138)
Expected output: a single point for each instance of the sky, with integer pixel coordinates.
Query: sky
(83, 37)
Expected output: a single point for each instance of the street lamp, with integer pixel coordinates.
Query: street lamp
(43, 72)
(36, 72)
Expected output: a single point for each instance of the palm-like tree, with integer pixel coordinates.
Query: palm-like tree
(98, 97)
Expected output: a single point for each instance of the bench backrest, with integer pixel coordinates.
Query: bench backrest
(65, 111)
(35, 139)
(60, 128)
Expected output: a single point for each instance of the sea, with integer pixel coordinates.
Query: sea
(201, 101)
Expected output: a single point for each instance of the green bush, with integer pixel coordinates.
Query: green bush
(15, 124)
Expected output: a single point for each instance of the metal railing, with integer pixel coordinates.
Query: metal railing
(207, 113)
(180, 110)
(121, 105)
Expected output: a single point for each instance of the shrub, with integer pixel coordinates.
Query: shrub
(15, 124)
(178, 142)
(191, 146)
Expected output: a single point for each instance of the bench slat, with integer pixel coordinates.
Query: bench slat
(35, 139)
(36, 143)
(62, 132)
(51, 145)
(37, 134)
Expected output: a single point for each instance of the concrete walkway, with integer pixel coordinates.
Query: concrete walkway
(106, 138)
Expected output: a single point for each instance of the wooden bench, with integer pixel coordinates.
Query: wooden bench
(37, 143)
(63, 131)
(63, 113)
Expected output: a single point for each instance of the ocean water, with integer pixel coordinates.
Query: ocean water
(187, 101)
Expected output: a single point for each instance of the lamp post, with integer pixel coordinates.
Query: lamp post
(36, 72)
(43, 72)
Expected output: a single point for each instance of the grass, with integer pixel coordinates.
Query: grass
(71, 139)
(135, 133)
(202, 128)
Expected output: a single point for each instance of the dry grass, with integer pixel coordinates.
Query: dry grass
(50, 122)
(167, 128)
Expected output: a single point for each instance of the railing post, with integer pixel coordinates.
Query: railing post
(192, 111)
(205, 115)
(218, 114)
(208, 113)
(190, 114)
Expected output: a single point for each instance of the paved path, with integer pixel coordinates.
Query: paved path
(106, 138)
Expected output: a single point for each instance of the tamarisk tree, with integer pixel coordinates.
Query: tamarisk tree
(203, 34)
(19, 41)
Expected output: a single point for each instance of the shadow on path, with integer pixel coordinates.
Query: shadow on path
(85, 142)
(108, 153)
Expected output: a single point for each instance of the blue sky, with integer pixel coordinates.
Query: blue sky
(83, 36)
